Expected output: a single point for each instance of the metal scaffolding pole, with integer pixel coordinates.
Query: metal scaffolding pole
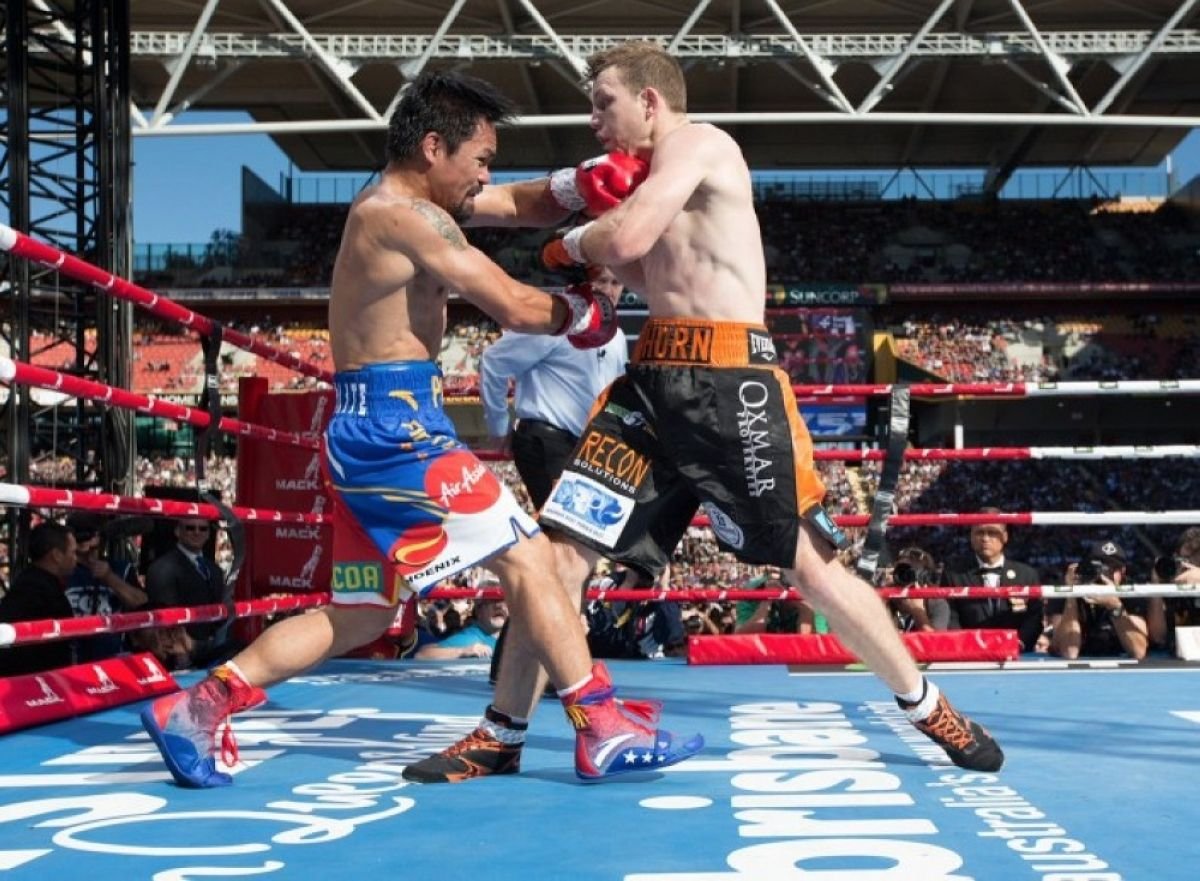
(65, 177)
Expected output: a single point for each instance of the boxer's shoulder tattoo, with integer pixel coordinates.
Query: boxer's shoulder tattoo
(441, 222)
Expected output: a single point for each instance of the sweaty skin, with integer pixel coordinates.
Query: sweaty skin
(402, 255)
(688, 238)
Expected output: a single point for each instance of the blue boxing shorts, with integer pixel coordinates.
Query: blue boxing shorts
(411, 504)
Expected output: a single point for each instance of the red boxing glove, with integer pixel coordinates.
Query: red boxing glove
(606, 181)
(591, 320)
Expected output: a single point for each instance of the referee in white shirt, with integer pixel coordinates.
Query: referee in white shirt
(556, 385)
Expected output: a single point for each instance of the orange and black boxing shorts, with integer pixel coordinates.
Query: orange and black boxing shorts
(703, 419)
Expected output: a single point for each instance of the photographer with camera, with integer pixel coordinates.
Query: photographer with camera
(1104, 626)
(916, 567)
(991, 567)
(100, 585)
(1182, 567)
(644, 628)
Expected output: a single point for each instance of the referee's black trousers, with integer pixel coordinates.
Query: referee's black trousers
(540, 451)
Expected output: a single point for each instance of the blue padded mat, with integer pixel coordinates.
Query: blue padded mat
(805, 776)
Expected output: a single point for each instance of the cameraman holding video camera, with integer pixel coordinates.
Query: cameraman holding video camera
(1104, 626)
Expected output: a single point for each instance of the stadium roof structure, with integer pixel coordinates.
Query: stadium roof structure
(814, 84)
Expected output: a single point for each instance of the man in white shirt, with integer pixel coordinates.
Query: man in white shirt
(556, 385)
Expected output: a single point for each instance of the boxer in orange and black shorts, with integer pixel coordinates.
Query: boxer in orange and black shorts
(704, 418)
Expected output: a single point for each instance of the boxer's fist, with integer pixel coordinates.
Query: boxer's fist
(598, 184)
(564, 251)
(606, 181)
(591, 320)
(555, 256)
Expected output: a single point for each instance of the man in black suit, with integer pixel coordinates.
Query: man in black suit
(37, 592)
(187, 576)
(991, 568)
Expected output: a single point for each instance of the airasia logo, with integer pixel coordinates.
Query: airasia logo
(461, 483)
(418, 546)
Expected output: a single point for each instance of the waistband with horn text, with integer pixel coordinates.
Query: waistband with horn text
(698, 341)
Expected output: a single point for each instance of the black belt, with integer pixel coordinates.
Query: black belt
(542, 425)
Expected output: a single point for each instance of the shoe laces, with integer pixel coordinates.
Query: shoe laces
(229, 747)
(647, 711)
(240, 697)
(948, 726)
(476, 738)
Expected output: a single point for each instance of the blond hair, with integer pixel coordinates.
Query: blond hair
(643, 65)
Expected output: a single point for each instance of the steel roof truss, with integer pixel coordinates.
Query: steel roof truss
(686, 28)
(1015, 66)
(1058, 64)
(177, 66)
(319, 126)
(339, 69)
(570, 56)
(815, 88)
(751, 46)
(897, 62)
(823, 66)
(412, 71)
(506, 19)
(185, 104)
(1139, 62)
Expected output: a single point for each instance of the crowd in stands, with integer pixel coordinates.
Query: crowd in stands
(909, 240)
(955, 346)
(906, 241)
(925, 486)
(979, 348)
(462, 348)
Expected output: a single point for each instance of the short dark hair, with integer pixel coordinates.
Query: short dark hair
(46, 537)
(451, 104)
(84, 524)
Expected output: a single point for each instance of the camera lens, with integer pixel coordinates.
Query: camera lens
(904, 574)
(1166, 568)
(1091, 571)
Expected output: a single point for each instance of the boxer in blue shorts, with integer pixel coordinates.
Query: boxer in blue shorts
(412, 505)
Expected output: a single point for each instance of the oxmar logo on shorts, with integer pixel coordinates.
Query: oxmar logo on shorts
(753, 430)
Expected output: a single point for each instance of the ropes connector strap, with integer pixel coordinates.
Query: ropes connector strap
(884, 502)
(210, 401)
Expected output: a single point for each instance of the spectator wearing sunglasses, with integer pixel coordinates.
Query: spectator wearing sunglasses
(188, 575)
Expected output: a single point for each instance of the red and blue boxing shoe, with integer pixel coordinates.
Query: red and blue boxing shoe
(184, 727)
(610, 738)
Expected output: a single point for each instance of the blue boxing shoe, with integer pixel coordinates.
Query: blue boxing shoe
(184, 726)
(610, 738)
